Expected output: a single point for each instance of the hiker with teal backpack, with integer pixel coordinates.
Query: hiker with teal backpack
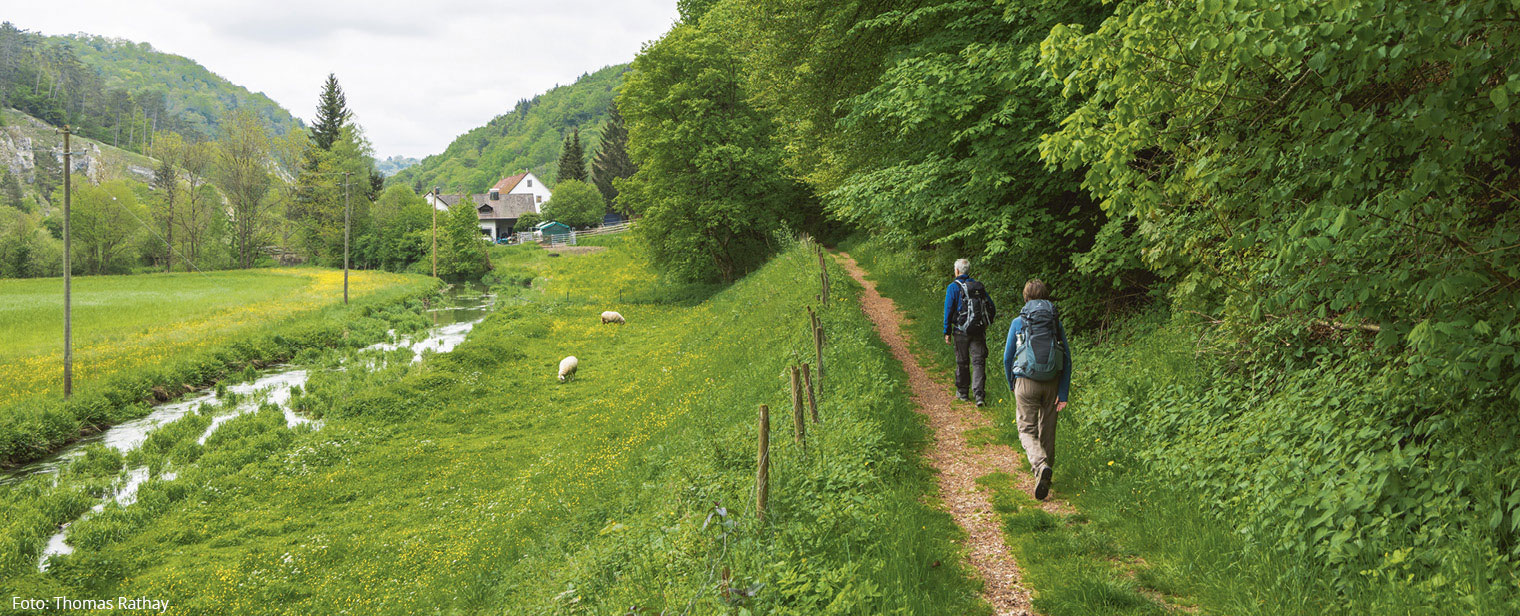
(968, 313)
(1037, 364)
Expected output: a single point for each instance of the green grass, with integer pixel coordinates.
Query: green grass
(156, 335)
(475, 482)
(1136, 445)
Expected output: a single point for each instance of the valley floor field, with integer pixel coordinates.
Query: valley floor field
(475, 482)
(153, 337)
(124, 322)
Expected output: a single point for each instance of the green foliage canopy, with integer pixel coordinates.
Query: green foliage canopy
(527, 221)
(708, 185)
(462, 253)
(575, 203)
(1344, 166)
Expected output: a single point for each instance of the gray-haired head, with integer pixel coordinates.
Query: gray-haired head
(962, 266)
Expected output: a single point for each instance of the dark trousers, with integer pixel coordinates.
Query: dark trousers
(971, 364)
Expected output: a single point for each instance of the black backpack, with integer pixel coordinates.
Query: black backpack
(976, 311)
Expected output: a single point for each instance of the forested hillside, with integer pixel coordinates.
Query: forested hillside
(196, 97)
(120, 92)
(1311, 207)
(528, 138)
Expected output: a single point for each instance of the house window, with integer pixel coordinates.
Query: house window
(540, 198)
(530, 183)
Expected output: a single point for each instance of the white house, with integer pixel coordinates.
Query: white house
(525, 184)
(499, 208)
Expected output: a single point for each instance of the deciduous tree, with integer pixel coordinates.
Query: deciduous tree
(708, 183)
(243, 174)
(576, 203)
(168, 147)
(462, 253)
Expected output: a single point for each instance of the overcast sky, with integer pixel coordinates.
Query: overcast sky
(417, 74)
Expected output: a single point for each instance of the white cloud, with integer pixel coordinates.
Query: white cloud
(417, 74)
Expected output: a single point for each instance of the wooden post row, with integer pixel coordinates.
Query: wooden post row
(763, 464)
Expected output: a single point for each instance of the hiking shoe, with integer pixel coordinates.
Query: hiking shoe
(981, 403)
(1042, 488)
(961, 398)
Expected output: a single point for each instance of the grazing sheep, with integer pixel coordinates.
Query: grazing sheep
(567, 368)
(612, 317)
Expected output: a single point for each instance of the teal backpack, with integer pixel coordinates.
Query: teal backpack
(1042, 355)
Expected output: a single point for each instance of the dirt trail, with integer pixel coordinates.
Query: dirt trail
(958, 464)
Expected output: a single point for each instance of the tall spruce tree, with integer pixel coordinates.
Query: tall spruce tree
(572, 159)
(332, 114)
(10, 190)
(612, 161)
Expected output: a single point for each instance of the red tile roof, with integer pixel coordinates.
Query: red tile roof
(507, 184)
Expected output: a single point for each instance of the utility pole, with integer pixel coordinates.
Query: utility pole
(345, 234)
(437, 198)
(68, 282)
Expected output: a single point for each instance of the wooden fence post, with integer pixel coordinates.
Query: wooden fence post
(823, 276)
(799, 421)
(818, 348)
(763, 464)
(807, 375)
(796, 393)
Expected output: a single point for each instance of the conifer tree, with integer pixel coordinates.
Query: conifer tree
(332, 114)
(10, 189)
(612, 161)
(572, 159)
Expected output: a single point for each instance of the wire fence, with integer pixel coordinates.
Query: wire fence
(573, 237)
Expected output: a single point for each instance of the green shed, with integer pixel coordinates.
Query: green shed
(551, 227)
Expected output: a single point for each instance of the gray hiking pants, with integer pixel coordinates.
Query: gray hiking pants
(1036, 403)
(971, 364)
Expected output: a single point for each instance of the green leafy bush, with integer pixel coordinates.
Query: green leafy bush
(1316, 175)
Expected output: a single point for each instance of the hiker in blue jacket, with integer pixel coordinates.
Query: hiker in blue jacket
(968, 313)
(1037, 364)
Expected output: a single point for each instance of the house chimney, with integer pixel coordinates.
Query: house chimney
(495, 194)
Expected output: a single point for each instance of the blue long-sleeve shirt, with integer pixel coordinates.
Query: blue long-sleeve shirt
(953, 302)
(1011, 350)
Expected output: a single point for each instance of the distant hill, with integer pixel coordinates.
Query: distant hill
(194, 94)
(119, 92)
(394, 164)
(528, 138)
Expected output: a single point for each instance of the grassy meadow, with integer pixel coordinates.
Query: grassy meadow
(155, 335)
(475, 482)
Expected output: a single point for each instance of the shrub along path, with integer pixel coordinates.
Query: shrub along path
(958, 464)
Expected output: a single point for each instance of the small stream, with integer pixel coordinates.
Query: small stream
(460, 310)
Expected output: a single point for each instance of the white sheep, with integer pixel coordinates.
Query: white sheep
(567, 368)
(612, 317)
